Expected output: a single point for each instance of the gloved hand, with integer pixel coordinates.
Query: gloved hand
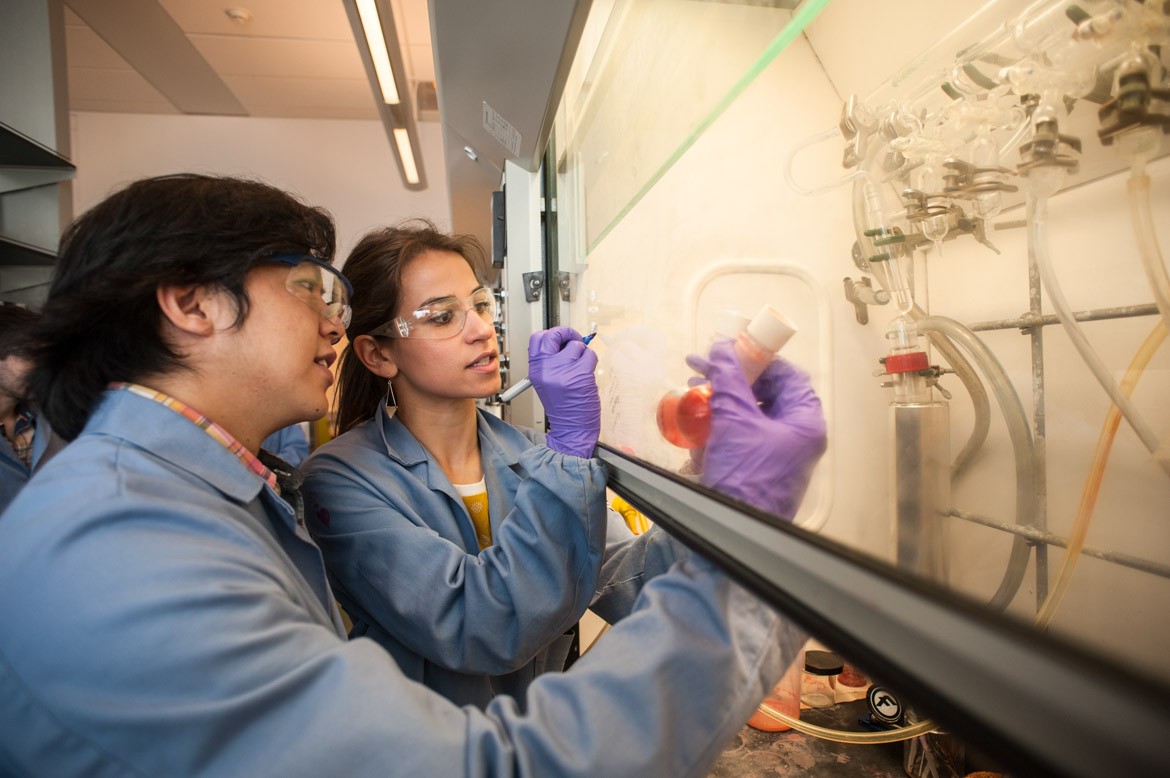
(766, 439)
(561, 369)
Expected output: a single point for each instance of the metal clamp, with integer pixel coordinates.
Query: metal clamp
(1138, 103)
(533, 286)
(1049, 148)
(565, 285)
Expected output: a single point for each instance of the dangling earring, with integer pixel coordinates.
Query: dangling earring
(391, 400)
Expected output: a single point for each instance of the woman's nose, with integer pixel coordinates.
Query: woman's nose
(477, 327)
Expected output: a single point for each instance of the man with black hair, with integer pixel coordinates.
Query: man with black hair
(28, 442)
(165, 611)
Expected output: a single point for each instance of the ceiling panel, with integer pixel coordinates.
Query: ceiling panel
(87, 49)
(101, 80)
(115, 87)
(304, 98)
(296, 19)
(147, 37)
(236, 56)
(123, 106)
(414, 21)
(293, 58)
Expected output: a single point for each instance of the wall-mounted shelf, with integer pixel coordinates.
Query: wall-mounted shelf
(26, 164)
(35, 169)
(15, 253)
(19, 150)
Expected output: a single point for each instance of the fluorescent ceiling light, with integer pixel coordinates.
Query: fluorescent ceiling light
(372, 27)
(402, 138)
(375, 31)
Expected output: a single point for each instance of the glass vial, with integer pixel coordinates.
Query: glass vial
(819, 685)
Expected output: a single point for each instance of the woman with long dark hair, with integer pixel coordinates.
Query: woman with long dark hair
(469, 548)
(465, 546)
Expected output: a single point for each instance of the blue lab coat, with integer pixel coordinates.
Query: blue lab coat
(13, 473)
(408, 570)
(289, 443)
(164, 615)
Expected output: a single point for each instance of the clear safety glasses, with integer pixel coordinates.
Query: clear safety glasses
(440, 319)
(318, 285)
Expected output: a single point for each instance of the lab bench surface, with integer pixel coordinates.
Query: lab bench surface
(755, 754)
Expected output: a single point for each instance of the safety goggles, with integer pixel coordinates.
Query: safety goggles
(441, 319)
(318, 285)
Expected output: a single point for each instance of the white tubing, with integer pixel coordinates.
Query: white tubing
(895, 735)
(1143, 227)
(820, 513)
(832, 132)
(1038, 248)
(1023, 446)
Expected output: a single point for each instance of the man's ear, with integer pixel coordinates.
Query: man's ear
(196, 309)
(375, 356)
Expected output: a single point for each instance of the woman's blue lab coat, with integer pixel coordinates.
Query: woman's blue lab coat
(164, 614)
(289, 443)
(407, 569)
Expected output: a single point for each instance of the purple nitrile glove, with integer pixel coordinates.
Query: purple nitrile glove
(766, 439)
(561, 369)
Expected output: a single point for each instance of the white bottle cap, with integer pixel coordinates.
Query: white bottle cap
(771, 329)
(730, 323)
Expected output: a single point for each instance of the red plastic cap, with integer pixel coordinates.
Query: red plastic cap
(908, 362)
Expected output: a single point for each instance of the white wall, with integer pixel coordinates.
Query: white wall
(344, 166)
